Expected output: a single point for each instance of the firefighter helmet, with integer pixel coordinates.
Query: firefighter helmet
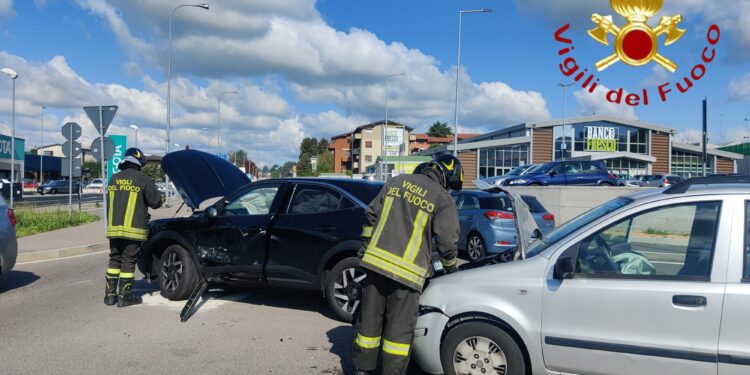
(449, 168)
(134, 156)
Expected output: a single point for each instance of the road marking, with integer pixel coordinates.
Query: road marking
(70, 257)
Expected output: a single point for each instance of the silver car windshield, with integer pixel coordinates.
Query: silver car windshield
(571, 226)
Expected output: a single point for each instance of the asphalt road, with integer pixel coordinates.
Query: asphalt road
(53, 199)
(53, 321)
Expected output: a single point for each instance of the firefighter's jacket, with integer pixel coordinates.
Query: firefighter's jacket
(129, 195)
(400, 225)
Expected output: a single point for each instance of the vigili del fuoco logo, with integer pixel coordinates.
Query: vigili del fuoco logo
(636, 44)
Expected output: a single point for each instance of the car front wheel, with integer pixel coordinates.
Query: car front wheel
(178, 274)
(343, 279)
(481, 348)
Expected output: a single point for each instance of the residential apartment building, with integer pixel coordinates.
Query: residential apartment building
(368, 145)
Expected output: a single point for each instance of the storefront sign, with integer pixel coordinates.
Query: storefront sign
(5, 148)
(601, 138)
(120, 144)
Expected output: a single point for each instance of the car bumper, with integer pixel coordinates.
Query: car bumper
(426, 346)
(495, 235)
(9, 254)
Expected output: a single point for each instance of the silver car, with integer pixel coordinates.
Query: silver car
(656, 282)
(8, 244)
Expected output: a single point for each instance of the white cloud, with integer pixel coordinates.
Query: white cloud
(6, 8)
(739, 88)
(689, 136)
(597, 103)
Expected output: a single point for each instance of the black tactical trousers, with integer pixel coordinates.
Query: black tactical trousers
(386, 323)
(123, 255)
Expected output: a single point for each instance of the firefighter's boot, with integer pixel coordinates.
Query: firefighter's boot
(110, 293)
(125, 296)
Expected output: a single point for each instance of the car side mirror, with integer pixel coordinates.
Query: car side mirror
(564, 268)
(212, 212)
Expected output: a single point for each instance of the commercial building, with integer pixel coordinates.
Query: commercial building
(627, 147)
(5, 157)
(56, 150)
(421, 142)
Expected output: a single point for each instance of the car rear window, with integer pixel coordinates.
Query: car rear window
(499, 202)
(534, 205)
(364, 192)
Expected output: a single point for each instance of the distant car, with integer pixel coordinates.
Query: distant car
(8, 243)
(369, 177)
(96, 183)
(660, 180)
(569, 172)
(625, 180)
(29, 183)
(488, 222)
(518, 171)
(57, 187)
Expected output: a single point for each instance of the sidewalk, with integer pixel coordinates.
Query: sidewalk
(85, 239)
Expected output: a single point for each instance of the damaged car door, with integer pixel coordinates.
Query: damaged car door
(234, 245)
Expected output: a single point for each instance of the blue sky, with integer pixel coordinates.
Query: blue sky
(307, 68)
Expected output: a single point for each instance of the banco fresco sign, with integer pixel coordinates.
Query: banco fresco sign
(601, 138)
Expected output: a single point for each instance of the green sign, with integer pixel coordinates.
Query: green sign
(601, 138)
(5, 148)
(113, 163)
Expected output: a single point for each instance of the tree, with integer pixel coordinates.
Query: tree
(153, 171)
(309, 146)
(325, 162)
(94, 168)
(237, 157)
(439, 130)
(286, 169)
(322, 146)
(304, 168)
(265, 171)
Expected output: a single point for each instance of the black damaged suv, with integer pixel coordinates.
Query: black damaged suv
(296, 233)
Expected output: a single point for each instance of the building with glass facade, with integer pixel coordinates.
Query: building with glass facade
(627, 147)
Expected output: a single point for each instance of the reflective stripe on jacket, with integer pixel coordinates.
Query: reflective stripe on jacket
(129, 195)
(400, 224)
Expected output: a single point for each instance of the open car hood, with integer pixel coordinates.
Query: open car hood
(526, 227)
(199, 176)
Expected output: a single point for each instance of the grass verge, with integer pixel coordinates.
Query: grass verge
(30, 222)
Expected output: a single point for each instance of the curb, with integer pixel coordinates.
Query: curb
(34, 256)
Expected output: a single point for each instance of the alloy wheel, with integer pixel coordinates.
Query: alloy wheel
(479, 355)
(475, 248)
(342, 288)
(171, 271)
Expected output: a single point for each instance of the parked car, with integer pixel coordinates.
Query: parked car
(625, 180)
(488, 222)
(8, 243)
(295, 233)
(571, 172)
(96, 183)
(654, 282)
(660, 180)
(57, 187)
(518, 171)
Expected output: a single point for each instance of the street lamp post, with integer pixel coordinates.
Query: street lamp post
(218, 116)
(135, 127)
(565, 109)
(384, 145)
(169, 79)
(458, 73)
(13, 76)
(41, 153)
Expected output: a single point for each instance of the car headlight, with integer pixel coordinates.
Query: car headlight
(518, 182)
(424, 310)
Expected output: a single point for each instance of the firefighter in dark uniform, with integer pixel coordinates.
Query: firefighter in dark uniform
(129, 195)
(401, 223)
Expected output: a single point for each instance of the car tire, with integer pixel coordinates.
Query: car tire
(475, 247)
(178, 274)
(606, 184)
(466, 349)
(339, 285)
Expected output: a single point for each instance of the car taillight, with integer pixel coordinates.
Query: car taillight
(666, 181)
(548, 217)
(497, 215)
(12, 217)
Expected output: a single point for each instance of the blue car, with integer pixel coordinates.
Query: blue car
(488, 222)
(571, 172)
